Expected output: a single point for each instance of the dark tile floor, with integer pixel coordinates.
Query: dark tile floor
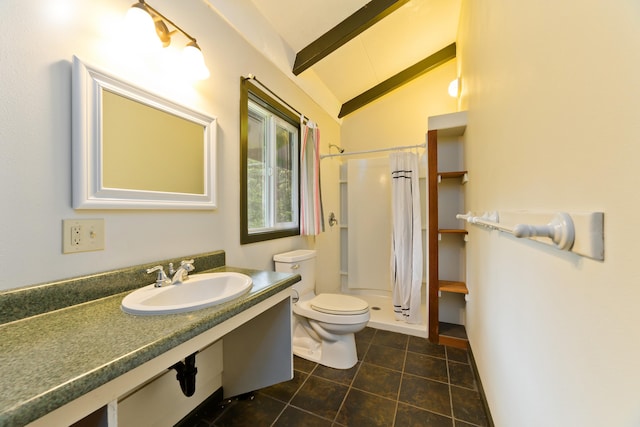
(399, 380)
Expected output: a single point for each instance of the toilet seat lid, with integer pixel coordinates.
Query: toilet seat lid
(338, 304)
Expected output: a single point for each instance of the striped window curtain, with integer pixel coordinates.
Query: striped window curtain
(311, 215)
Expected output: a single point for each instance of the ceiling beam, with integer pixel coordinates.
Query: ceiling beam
(348, 29)
(394, 82)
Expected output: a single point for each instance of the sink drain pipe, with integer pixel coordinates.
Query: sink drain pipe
(187, 374)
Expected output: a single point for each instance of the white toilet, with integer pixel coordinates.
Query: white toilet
(323, 325)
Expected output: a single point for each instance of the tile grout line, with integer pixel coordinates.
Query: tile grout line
(344, 399)
(404, 363)
(288, 403)
(453, 419)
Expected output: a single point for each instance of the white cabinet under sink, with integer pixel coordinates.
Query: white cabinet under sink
(161, 401)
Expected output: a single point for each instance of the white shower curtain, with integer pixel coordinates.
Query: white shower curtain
(311, 215)
(406, 240)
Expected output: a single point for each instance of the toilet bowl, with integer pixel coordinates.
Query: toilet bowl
(324, 325)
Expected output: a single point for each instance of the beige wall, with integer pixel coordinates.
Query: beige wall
(554, 100)
(36, 47)
(400, 118)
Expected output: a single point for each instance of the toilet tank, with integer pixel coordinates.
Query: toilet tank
(302, 262)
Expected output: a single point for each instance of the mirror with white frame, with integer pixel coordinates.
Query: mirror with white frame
(132, 149)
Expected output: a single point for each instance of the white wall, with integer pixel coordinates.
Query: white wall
(37, 43)
(554, 101)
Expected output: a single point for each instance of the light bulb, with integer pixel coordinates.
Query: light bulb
(140, 25)
(194, 61)
(454, 88)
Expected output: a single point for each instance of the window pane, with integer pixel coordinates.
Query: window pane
(256, 172)
(285, 158)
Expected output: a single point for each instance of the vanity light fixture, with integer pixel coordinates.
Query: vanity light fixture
(144, 20)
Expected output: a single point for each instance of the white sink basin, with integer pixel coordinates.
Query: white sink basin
(199, 291)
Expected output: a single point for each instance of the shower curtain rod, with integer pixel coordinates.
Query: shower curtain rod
(253, 77)
(404, 147)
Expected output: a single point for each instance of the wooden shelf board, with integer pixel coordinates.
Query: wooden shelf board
(452, 286)
(451, 174)
(453, 335)
(452, 231)
(452, 330)
(453, 342)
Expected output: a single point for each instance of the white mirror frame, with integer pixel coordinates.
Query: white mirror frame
(88, 191)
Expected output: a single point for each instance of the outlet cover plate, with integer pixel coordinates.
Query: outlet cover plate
(82, 235)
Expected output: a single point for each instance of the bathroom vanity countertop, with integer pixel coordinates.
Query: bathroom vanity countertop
(51, 359)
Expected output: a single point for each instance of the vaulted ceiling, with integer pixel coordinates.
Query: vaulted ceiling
(362, 49)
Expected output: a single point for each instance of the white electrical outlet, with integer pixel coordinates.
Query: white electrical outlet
(82, 235)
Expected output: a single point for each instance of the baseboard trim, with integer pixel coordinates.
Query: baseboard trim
(483, 397)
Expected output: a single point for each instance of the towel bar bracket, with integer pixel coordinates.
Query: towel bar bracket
(581, 233)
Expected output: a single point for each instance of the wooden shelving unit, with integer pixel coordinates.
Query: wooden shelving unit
(447, 128)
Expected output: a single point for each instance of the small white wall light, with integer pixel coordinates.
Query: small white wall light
(454, 88)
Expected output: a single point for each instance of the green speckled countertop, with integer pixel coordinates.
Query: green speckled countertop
(55, 357)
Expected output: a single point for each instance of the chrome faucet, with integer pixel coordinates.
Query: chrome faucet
(182, 273)
(162, 278)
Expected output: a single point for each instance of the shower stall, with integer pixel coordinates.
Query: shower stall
(365, 239)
